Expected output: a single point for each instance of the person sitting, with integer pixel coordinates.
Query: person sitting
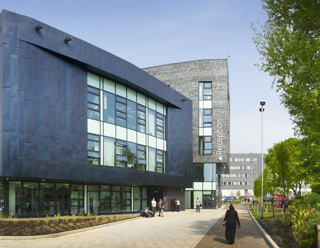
(146, 213)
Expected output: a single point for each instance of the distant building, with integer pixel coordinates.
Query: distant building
(206, 83)
(245, 168)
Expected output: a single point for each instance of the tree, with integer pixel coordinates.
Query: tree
(289, 44)
(285, 166)
(238, 193)
(268, 186)
(257, 187)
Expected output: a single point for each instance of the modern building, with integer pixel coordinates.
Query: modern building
(84, 131)
(206, 83)
(245, 168)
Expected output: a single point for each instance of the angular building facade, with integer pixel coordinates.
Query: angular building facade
(206, 83)
(83, 131)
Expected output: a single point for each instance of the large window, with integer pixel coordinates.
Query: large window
(77, 199)
(93, 98)
(121, 107)
(47, 199)
(205, 145)
(141, 165)
(93, 149)
(31, 198)
(1, 197)
(205, 90)
(141, 112)
(131, 115)
(109, 107)
(160, 161)
(198, 173)
(160, 126)
(131, 126)
(121, 153)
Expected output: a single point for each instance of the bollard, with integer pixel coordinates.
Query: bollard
(267, 208)
(318, 232)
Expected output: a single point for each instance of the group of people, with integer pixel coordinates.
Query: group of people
(175, 206)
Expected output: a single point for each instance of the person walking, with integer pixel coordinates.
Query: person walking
(230, 221)
(154, 205)
(198, 204)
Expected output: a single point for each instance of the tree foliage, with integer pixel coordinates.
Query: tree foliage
(290, 47)
(285, 166)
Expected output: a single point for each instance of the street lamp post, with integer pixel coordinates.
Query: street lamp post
(262, 103)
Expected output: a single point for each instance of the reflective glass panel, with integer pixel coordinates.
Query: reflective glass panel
(109, 107)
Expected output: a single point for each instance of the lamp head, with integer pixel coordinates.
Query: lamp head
(262, 103)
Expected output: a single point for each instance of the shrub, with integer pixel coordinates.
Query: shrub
(56, 218)
(305, 217)
(315, 188)
(74, 218)
(47, 220)
(66, 219)
(304, 221)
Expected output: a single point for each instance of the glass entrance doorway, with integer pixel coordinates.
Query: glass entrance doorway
(63, 199)
(209, 201)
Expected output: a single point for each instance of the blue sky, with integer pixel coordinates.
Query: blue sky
(149, 33)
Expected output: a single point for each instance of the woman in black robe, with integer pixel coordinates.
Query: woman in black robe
(231, 219)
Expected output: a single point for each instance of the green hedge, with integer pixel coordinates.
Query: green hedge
(315, 188)
(305, 217)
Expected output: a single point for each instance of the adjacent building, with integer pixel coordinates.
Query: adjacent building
(245, 168)
(84, 131)
(206, 83)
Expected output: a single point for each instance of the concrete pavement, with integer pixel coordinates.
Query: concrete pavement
(248, 235)
(183, 229)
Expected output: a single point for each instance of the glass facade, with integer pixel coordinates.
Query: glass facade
(1, 197)
(31, 199)
(126, 129)
(204, 186)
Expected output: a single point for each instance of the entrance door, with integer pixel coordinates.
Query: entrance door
(207, 202)
(63, 196)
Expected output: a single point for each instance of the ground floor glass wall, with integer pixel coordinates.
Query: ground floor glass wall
(1, 197)
(205, 191)
(33, 199)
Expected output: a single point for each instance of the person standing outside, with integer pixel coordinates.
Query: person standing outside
(173, 204)
(178, 205)
(198, 204)
(154, 205)
(230, 221)
(161, 207)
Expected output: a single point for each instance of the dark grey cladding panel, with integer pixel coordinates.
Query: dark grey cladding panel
(44, 111)
(180, 148)
(18, 27)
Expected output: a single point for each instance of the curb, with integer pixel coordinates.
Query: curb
(56, 235)
(265, 235)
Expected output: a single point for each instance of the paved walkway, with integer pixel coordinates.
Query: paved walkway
(183, 229)
(248, 235)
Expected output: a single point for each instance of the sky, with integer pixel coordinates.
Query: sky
(149, 33)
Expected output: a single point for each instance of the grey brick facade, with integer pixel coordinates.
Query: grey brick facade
(184, 77)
